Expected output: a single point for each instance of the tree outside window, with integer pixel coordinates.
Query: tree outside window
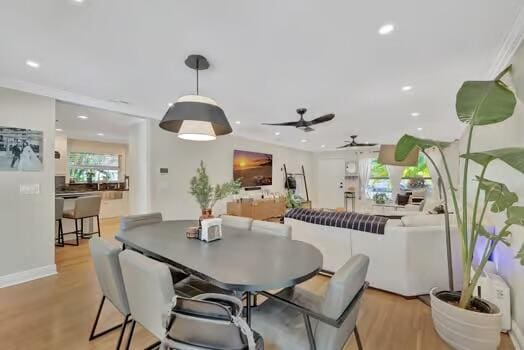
(91, 167)
(413, 178)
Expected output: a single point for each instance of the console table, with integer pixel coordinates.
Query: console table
(258, 209)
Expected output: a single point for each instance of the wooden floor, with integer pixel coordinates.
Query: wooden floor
(57, 312)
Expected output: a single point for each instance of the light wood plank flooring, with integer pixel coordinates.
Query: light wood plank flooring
(57, 312)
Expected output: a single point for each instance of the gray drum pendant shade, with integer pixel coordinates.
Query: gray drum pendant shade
(196, 117)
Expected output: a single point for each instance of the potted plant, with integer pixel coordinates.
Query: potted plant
(380, 198)
(463, 321)
(207, 195)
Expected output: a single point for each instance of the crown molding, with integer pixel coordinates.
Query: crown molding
(71, 97)
(510, 45)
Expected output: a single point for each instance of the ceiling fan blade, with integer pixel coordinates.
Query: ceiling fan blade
(282, 124)
(364, 144)
(345, 146)
(323, 119)
(308, 129)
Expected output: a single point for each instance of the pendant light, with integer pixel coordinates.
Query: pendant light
(195, 117)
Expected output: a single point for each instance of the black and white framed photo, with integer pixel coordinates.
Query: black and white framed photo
(21, 149)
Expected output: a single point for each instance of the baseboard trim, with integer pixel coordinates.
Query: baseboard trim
(26, 276)
(516, 336)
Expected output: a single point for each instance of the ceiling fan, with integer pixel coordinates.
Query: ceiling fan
(303, 124)
(354, 143)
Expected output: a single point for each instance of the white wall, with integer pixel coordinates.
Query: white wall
(509, 133)
(27, 230)
(169, 192)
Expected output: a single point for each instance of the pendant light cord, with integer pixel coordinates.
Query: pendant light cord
(197, 69)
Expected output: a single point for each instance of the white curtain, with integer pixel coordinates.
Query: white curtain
(395, 175)
(364, 172)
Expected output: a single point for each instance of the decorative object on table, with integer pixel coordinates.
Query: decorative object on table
(292, 201)
(193, 232)
(380, 198)
(207, 195)
(195, 117)
(252, 169)
(211, 229)
(21, 149)
(305, 125)
(478, 103)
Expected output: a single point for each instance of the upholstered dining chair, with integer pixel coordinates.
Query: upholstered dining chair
(149, 289)
(297, 319)
(109, 275)
(59, 214)
(272, 228)
(85, 208)
(209, 321)
(236, 222)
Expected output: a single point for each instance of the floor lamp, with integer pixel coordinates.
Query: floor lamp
(387, 157)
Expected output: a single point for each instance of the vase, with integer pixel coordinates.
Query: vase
(465, 329)
(206, 214)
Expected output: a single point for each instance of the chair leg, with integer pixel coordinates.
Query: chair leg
(122, 325)
(76, 231)
(59, 240)
(310, 335)
(92, 335)
(121, 336)
(357, 337)
(98, 224)
(153, 346)
(133, 324)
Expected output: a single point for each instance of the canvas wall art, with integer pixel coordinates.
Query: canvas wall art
(21, 149)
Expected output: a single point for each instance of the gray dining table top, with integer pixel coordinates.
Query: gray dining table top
(242, 260)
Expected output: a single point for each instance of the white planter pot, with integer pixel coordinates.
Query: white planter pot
(463, 329)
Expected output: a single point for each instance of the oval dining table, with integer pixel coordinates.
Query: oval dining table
(242, 260)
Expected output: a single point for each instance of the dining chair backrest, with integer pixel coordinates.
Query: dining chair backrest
(87, 206)
(108, 272)
(207, 321)
(272, 228)
(342, 289)
(131, 221)
(59, 208)
(149, 289)
(237, 222)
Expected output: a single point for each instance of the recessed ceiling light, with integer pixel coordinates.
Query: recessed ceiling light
(322, 146)
(303, 140)
(79, 1)
(415, 114)
(237, 122)
(58, 129)
(170, 104)
(407, 88)
(386, 29)
(100, 134)
(277, 133)
(419, 129)
(32, 64)
(82, 117)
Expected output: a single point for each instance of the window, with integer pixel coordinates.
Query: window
(91, 167)
(413, 178)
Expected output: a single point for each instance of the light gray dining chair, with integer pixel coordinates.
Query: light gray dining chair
(109, 275)
(149, 289)
(209, 321)
(59, 214)
(297, 319)
(272, 228)
(236, 222)
(85, 208)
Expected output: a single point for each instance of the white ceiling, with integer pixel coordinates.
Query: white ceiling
(113, 125)
(267, 58)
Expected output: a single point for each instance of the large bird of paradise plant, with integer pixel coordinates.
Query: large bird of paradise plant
(478, 103)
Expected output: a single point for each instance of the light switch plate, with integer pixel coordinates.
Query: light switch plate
(27, 189)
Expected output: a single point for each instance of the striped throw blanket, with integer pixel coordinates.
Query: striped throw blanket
(355, 221)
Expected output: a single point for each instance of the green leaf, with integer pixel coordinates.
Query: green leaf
(513, 156)
(520, 255)
(515, 216)
(495, 238)
(407, 143)
(484, 102)
(498, 193)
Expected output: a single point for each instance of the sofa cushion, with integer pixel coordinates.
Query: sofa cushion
(422, 220)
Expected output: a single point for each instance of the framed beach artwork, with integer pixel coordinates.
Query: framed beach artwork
(21, 149)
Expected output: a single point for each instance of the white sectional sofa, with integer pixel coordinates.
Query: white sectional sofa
(408, 259)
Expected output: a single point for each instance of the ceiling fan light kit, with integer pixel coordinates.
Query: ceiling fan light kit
(195, 117)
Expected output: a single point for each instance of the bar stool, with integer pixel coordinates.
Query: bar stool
(85, 208)
(59, 212)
